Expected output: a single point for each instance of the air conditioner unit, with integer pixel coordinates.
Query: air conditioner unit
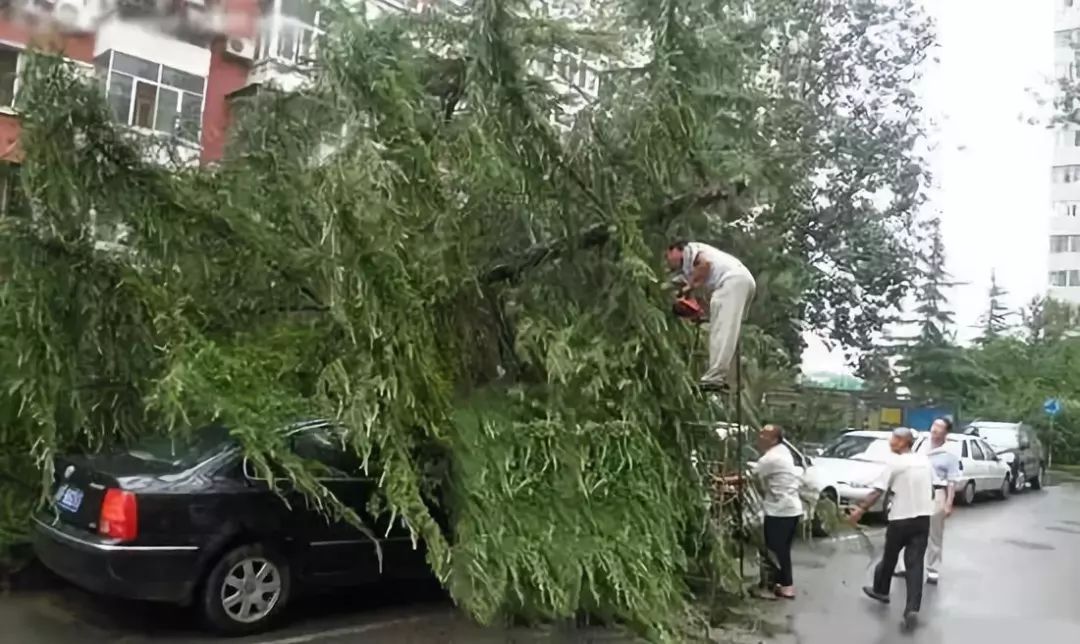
(73, 16)
(241, 47)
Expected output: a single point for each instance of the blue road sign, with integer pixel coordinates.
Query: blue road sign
(1052, 406)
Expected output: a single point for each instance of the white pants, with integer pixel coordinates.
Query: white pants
(936, 541)
(727, 307)
(937, 534)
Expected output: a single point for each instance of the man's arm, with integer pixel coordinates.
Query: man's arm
(950, 485)
(883, 482)
(700, 273)
(867, 503)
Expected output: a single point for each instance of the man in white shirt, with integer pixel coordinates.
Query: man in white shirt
(780, 480)
(730, 289)
(945, 466)
(908, 476)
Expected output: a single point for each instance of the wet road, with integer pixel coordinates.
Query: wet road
(1011, 575)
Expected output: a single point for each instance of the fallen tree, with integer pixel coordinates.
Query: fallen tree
(472, 293)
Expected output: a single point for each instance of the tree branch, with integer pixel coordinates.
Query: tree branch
(599, 234)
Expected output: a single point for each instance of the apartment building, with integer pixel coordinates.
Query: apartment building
(171, 68)
(1064, 246)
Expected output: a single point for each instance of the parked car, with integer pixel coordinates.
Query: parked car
(848, 466)
(1018, 447)
(982, 470)
(191, 522)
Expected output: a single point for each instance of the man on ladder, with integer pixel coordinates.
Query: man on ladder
(729, 288)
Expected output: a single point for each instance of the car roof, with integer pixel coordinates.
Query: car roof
(868, 433)
(994, 424)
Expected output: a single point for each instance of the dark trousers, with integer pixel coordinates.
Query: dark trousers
(779, 535)
(909, 535)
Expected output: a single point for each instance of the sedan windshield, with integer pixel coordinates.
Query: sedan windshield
(868, 448)
(180, 450)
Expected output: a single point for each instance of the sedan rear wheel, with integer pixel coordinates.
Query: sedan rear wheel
(245, 590)
(968, 496)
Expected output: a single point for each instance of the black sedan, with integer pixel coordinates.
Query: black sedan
(192, 524)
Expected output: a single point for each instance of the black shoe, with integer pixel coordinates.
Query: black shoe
(910, 621)
(932, 579)
(900, 574)
(872, 594)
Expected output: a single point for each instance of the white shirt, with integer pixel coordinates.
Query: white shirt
(910, 478)
(781, 480)
(721, 264)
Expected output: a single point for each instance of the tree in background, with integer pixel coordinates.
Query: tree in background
(932, 366)
(995, 322)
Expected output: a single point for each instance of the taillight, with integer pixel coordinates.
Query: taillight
(119, 515)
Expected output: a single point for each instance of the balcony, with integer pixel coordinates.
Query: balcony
(287, 44)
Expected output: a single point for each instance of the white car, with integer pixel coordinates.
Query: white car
(981, 470)
(848, 466)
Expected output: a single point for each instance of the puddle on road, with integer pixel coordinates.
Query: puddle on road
(1063, 529)
(1029, 545)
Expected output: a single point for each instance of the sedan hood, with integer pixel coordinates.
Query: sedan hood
(846, 470)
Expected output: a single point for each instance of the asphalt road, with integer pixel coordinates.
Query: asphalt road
(1011, 575)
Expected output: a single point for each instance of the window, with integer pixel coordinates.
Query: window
(9, 76)
(991, 455)
(976, 451)
(1059, 278)
(1064, 244)
(12, 203)
(1066, 174)
(1065, 38)
(1076, 139)
(1066, 208)
(1074, 278)
(144, 94)
(965, 453)
(324, 445)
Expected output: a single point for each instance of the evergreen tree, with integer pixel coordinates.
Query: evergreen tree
(995, 322)
(932, 366)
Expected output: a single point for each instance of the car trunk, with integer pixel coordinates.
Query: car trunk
(80, 483)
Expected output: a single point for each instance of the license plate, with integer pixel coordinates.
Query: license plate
(69, 498)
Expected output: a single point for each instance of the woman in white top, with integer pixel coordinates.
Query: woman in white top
(781, 481)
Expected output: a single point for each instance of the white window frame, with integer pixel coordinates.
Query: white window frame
(20, 65)
(158, 84)
(270, 40)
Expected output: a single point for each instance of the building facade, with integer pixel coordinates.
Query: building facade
(1064, 242)
(171, 68)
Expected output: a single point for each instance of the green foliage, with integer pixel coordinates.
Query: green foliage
(472, 292)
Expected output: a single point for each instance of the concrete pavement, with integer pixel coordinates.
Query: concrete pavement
(1011, 575)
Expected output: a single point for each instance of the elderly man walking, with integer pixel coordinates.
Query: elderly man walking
(908, 476)
(945, 466)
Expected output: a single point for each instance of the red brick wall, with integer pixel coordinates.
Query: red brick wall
(76, 47)
(227, 74)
